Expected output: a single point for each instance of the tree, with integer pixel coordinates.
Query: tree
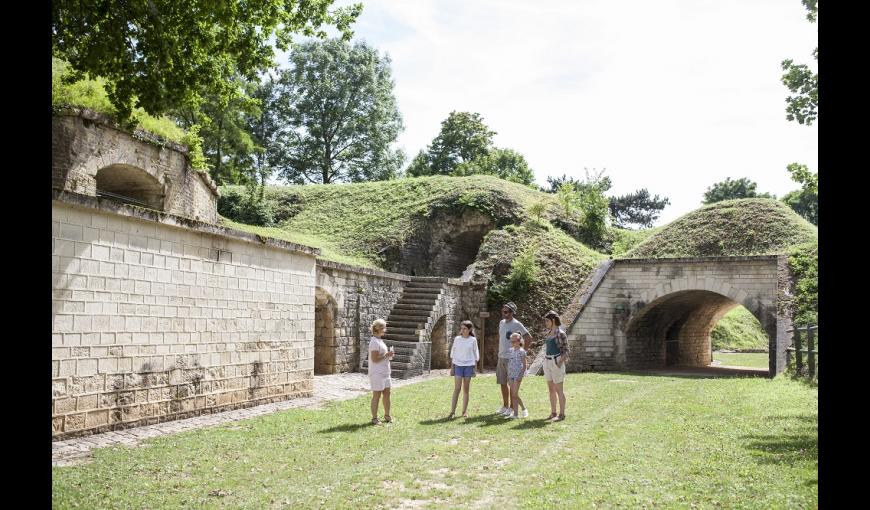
(163, 55)
(462, 139)
(638, 208)
(507, 164)
(337, 108)
(804, 201)
(226, 142)
(595, 206)
(801, 81)
(731, 189)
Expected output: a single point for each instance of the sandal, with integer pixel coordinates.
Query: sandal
(561, 417)
(552, 416)
(376, 421)
(465, 416)
(450, 416)
(388, 419)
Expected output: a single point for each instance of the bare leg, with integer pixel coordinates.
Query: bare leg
(457, 386)
(504, 395)
(551, 386)
(466, 387)
(514, 389)
(387, 404)
(376, 396)
(561, 391)
(517, 397)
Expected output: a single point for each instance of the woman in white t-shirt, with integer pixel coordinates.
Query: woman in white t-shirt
(464, 355)
(379, 370)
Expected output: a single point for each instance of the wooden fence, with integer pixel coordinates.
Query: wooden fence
(798, 351)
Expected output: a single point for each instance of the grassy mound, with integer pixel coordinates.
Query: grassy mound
(560, 264)
(752, 226)
(360, 221)
(737, 330)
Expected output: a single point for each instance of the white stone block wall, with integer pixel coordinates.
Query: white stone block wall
(152, 322)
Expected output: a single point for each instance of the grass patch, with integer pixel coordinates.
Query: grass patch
(738, 329)
(629, 441)
(743, 359)
(751, 226)
(363, 220)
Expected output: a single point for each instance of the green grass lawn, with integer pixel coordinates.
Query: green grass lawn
(629, 441)
(743, 359)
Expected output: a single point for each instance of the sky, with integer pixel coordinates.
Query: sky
(671, 95)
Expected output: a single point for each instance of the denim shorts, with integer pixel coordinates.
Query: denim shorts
(463, 371)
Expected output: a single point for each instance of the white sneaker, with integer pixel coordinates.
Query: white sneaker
(525, 413)
(505, 411)
(514, 417)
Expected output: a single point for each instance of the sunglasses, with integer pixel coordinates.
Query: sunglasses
(507, 311)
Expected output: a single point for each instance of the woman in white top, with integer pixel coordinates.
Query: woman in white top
(379, 370)
(464, 355)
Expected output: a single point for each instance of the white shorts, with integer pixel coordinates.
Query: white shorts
(552, 372)
(379, 382)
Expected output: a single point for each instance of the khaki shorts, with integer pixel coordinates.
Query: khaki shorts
(501, 376)
(552, 372)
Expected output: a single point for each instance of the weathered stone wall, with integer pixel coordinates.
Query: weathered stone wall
(443, 246)
(157, 317)
(84, 142)
(358, 297)
(642, 308)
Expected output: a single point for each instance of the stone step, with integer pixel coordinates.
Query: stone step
(406, 324)
(413, 307)
(409, 317)
(428, 279)
(397, 344)
(429, 303)
(423, 285)
(406, 374)
(425, 292)
(396, 330)
(401, 338)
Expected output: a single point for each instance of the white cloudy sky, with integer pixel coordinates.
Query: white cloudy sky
(671, 95)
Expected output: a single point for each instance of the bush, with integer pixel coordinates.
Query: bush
(246, 207)
(804, 264)
(519, 282)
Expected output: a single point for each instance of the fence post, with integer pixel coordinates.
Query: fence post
(797, 350)
(811, 355)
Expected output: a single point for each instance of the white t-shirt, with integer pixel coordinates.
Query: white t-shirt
(505, 330)
(380, 367)
(464, 352)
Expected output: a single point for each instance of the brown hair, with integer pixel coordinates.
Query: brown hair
(554, 317)
(469, 325)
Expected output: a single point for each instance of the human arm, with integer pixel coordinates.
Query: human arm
(527, 341)
(562, 342)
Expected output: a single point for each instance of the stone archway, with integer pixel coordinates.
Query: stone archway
(325, 345)
(129, 184)
(675, 329)
(440, 344)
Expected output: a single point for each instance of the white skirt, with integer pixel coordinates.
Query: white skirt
(380, 381)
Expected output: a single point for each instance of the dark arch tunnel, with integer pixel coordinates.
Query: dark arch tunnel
(674, 330)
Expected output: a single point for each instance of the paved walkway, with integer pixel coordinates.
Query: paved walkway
(327, 388)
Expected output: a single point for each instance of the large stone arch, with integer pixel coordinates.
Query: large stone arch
(630, 312)
(127, 183)
(325, 335)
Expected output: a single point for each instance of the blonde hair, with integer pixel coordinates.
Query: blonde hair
(518, 336)
(378, 325)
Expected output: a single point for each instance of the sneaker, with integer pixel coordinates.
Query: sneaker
(525, 413)
(504, 411)
(514, 417)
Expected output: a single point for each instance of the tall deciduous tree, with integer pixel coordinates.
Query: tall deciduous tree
(463, 138)
(802, 81)
(507, 164)
(639, 208)
(730, 189)
(340, 115)
(165, 54)
(804, 201)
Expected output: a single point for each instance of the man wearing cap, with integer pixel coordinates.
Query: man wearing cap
(506, 327)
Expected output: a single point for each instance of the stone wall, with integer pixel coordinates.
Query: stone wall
(85, 143)
(656, 312)
(158, 317)
(355, 297)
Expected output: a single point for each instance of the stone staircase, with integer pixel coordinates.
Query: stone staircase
(408, 325)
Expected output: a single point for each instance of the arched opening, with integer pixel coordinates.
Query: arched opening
(445, 245)
(440, 344)
(131, 185)
(325, 344)
(739, 339)
(674, 330)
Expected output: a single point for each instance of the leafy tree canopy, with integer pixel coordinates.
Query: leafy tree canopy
(801, 81)
(339, 115)
(507, 164)
(804, 201)
(462, 139)
(730, 189)
(163, 54)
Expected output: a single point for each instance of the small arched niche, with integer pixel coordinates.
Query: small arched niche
(131, 185)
